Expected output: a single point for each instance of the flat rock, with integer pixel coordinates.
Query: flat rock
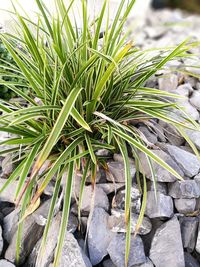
(185, 205)
(100, 198)
(148, 263)
(5, 263)
(188, 162)
(119, 200)
(190, 110)
(108, 263)
(173, 135)
(195, 137)
(99, 235)
(190, 261)
(32, 232)
(189, 226)
(197, 247)
(1, 241)
(184, 189)
(169, 82)
(117, 173)
(184, 90)
(109, 188)
(72, 254)
(162, 175)
(160, 187)
(8, 195)
(167, 248)
(116, 250)
(149, 135)
(7, 165)
(162, 207)
(10, 224)
(117, 223)
(195, 99)
(51, 242)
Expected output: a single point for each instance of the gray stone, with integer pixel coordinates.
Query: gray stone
(117, 172)
(7, 165)
(188, 162)
(197, 247)
(195, 99)
(168, 82)
(190, 64)
(162, 175)
(72, 223)
(185, 205)
(195, 137)
(160, 207)
(99, 235)
(160, 187)
(117, 223)
(100, 198)
(184, 90)
(190, 110)
(5, 263)
(190, 261)
(184, 189)
(148, 263)
(32, 232)
(10, 224)
(1, 241)
(47, 256)
(108, 263)
(116, 250)
(8, 195)
(189, 226)
(173, 135)
(72, 255)
(151, 137)
(110, 187)
(119, 200)
(167, 248)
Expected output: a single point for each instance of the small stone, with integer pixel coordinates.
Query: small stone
(8, 195)
(188, 162)
(109, 188)
(100, 198)
(72, 255)
(160, 187)
(5, 263)
(167, 248)
(117, 171)
(197, 247)
(189, 226)
(169, 82)
(173, 136)
(190, 64)
(117, 223)
(1, 241)
(72, 223)
(99, 235)
(119, 200)
(184, 90)
(190, 110)
(190, 261)
(148, 263)
(162, 207)
(184, 205)
(195, 137)
(184, 189)
(116, 250)
(195, 99)
(108, 263)
(162, 175)
(10, 224)
(151, 137)
(7, 166)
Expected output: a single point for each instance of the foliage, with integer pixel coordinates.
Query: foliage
(6, 59)
(91, 93)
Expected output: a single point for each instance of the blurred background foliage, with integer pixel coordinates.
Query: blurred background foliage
(189, 5)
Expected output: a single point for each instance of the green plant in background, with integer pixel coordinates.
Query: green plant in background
(6, 59)
(91, 92)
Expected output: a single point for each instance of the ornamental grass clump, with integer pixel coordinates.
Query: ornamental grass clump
(86, 92)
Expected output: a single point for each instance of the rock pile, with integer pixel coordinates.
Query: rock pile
(170, 232)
